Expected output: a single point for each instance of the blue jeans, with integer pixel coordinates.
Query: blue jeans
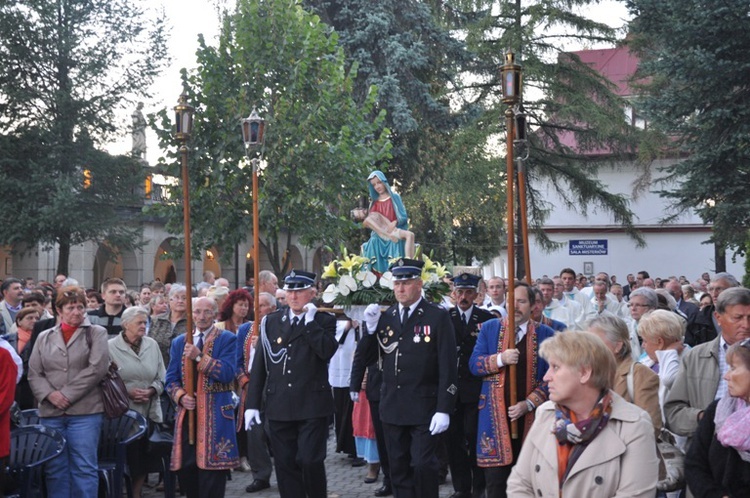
(74, 472)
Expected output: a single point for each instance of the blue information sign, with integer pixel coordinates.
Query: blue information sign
(588, 247)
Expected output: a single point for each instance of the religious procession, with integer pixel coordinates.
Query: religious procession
(398, 275)
(446, 385)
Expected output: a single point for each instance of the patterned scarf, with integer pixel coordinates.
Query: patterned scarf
(732, 422)
(577, 435)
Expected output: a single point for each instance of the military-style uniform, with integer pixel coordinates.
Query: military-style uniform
(462, 433)
(419, 379)
(291, 365)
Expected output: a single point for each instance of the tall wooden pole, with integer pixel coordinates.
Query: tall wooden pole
(510, 301)
(190, 373)
(524, 217)
(256, 250)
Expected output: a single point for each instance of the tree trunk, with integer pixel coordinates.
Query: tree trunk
(720, 258)
(63, 257)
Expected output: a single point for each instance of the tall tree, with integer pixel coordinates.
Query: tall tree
(695, 62)
(320, 142)
(573, 112)
(66, 68)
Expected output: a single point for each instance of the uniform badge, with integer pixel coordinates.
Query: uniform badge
(278, 341)
(390, 333)
(427, 338)
(417, 339)
(283, 318)
(452, 389)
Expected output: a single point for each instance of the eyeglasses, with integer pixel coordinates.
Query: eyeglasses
(745, 343)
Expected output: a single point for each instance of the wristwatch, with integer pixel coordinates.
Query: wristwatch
(198, 358)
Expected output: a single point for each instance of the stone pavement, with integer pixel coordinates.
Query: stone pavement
(344, 481)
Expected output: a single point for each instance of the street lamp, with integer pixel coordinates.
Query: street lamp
(183, 113)
(515, 124)
(253, 134)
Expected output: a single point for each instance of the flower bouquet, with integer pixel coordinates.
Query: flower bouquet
(355, 284)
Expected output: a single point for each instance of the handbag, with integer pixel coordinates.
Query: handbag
(671, 458)
(160, 437)
(114, 393)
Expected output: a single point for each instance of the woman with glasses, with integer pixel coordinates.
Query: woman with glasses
(65, 368)
(166, 327)
(718, 461)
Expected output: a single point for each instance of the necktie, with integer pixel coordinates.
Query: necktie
(465, 318)
(518, 334)
(295, 322)
(405, 316)
(199, 344)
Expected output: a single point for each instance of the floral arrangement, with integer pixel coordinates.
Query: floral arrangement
(356, 284)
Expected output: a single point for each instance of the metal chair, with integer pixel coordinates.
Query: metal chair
(116, 434)
(31, 446)
(30, 417)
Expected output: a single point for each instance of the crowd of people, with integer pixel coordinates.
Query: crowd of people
(576, 401)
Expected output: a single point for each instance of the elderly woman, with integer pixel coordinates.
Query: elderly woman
(65, 368)
(634, 381)
(166, 327)
(586, 441)
(234, 310)
(142, 369)
(662, 333)
(718, 461)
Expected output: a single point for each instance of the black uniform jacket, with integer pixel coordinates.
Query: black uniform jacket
(469, 385)
(292, 367)
(418, 363)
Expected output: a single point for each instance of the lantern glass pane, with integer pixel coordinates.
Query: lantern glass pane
(510, 84)
(178, 121)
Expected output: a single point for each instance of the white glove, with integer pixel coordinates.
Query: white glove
(252, 417)
(354, 395)
(311, 310)
(439, 423)
(372, 316)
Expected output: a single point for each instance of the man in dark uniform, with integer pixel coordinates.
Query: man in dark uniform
(418, 353)
(374, 384)
(296, 343)
(462, 435)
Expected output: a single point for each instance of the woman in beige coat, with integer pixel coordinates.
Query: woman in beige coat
(634, 381)
(142, 369)
(65, 368)
(586, 441)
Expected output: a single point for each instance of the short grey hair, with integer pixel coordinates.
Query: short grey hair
(726, 276)
(615, 329)
(648, 294)
(271, 298)
(132, 313)
(176, 289)
(732, 297)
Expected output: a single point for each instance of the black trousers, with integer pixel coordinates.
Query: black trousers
(385, 465)
(462, 450)
(497, 477)
(413, 460)
(342, 416)
(299, 452)
(196, 482)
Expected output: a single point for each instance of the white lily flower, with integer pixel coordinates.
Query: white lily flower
(367, 278)
(387, 280)
(347, 284)
(330, 293)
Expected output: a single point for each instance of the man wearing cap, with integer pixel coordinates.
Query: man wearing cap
(417, 347)
(296, 343)
(462, 434)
